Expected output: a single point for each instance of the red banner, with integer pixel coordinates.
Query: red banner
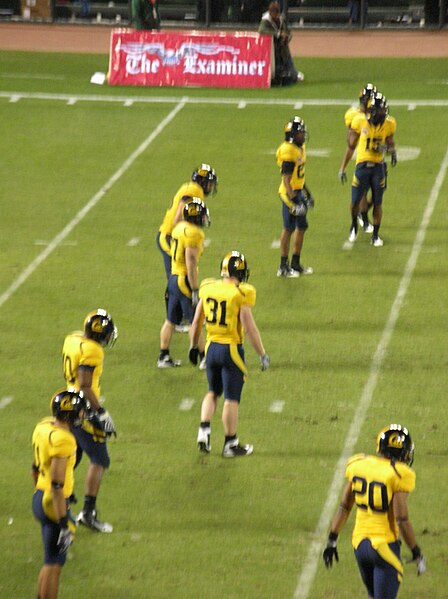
(189, 59)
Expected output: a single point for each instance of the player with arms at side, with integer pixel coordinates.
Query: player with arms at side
(373, 133)
(379, 487)
(365, 95)
(186, 248)
(226, 307)
(54, 449)
(82, 360)
(295, 196)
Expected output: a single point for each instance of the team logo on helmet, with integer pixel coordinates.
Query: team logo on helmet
(234, 265)
(206, 177)
(394, 442)
(196, 212)
(99, 326)
(69, 406)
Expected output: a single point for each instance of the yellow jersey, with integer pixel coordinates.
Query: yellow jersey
(374, 481)
(50, 441)
(191, 189)
(372, 138)
(222, 301)
(290, 152)
(78, 351)
(184, 235)
(350, 115)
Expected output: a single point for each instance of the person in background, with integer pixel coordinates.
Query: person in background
(372, 136)
(145, 14)
(225, 305)
(273, 23)
(54, 450)
(366, 93)
(295, 197)
(379, 487)
(82, 359)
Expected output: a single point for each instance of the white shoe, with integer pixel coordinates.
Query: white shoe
(203, 364)
(360, 220)
(204, 440)
(168, 362)
(300, 76)
(232, 449)
(377, 242)
(353, 235)
(182, 328)
(293, 273)
(305, 270)
(368, 228)
(90, 520)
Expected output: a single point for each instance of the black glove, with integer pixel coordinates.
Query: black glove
(65, 536)
(298, 209)
(194, 298)
(106, 422)
(193, 355)
(310, 201)
(330, 550)
(393, 158)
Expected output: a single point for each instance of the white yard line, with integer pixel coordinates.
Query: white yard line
(16, 96)
(60, 237)
(313, 559)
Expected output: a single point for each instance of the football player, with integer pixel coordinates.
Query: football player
(225, 305)
(373, 135)
(379, 487)
(295, 196)
(365, 204)
(54, 449)
(82, 359)
(204, 182)
(187, 241)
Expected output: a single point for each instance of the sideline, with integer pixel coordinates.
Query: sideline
(56, 241)
(306, 578)
(241, 103)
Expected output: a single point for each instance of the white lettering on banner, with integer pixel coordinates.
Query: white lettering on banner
(141, 64)
(198, 66)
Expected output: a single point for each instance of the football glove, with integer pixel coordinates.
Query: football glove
(330, 550)
(298, 209)
(194, 298)
(393, 158)
(310, 202)
(106, 422)
(193, 355)
(342, 177)
(419, 558)
(65, 537)
(265, 361)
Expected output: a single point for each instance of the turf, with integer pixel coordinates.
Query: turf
(188, 526)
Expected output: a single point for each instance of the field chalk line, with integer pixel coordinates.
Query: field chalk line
(306, 577)
(56, 241)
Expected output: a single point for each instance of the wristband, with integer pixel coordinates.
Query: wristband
(416, 552)
(333, 536)
(63, 522)
(100, 410)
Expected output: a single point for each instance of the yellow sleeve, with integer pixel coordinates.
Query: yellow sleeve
(62, 444)
(358, 123)
(249, 294)
(92, 354)
(194, 237)
(407, 481)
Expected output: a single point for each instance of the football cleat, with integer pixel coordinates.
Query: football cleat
(353, 235)
(300, 76)
(283, 271)
(232, 449)
(168, 362)
(90, 520)
(293, 273)
(204, 445)
(368, 227)
(377, 242)
(305, 270)
(203, 364)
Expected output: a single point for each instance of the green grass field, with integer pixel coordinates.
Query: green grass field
(360, 344)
